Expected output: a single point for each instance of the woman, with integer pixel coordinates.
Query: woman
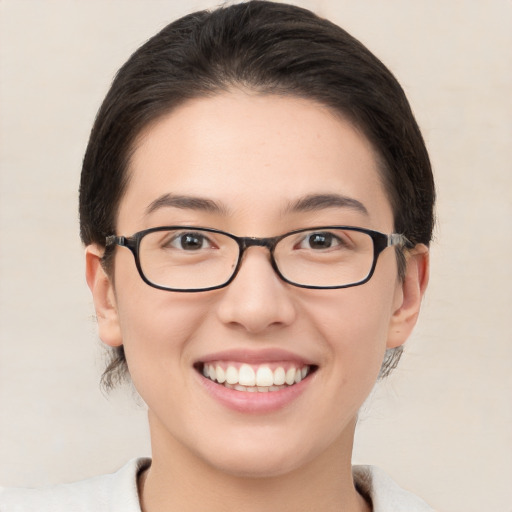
(256, 204)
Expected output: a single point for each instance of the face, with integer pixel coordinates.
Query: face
(254, 158)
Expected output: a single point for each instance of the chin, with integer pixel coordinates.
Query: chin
(264, 465)
(251, 455)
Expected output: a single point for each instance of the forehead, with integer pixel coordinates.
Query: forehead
(252, 153)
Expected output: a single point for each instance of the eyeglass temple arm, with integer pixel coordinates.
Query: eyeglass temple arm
(399, 239)
(115, 240)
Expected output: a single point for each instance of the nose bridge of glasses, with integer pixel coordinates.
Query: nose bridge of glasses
(265, 243)
(251, 241)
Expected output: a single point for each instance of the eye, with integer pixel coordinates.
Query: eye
(320, 241)
(189, 241)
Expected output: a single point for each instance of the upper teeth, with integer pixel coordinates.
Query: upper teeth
(260, 376)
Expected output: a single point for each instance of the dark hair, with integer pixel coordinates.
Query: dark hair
(269, 48)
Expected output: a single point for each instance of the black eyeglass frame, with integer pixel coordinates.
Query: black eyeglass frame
(380, 240)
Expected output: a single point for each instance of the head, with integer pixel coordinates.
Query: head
(260, 50)
(268, 48)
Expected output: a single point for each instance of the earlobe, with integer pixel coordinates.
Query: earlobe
(103, 296)
(412, 290)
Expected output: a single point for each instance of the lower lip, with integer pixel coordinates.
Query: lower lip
(256, 402)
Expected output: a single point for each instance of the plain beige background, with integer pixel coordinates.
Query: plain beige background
(442, 424)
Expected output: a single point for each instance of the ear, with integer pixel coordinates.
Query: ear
(103, 295)
(409, 296)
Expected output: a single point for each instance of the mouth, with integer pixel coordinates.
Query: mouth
(255, 378)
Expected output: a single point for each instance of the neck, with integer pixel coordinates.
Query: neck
(179, 480)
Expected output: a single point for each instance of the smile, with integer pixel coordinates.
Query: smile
(255, 378)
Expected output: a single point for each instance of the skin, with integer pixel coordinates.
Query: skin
(254, 156)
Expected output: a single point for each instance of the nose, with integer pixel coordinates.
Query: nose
(257, 299)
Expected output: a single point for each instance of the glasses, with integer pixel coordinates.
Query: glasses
(192, 259)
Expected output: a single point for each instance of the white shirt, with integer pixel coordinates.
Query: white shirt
(117, 492)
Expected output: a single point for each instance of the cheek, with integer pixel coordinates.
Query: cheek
(156, 328)
(354, 326)
(158, 332)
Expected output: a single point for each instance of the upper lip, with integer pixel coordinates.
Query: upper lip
(260, 356)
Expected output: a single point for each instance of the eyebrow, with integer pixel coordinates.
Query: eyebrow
(311, 202)
(186, 203)
(315, 202)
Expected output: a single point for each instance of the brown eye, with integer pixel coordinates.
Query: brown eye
(189, 242)
(319, 241)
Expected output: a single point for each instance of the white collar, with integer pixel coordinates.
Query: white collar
(384, 494)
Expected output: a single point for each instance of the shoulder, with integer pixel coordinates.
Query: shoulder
(384, 493)
(106, 493)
